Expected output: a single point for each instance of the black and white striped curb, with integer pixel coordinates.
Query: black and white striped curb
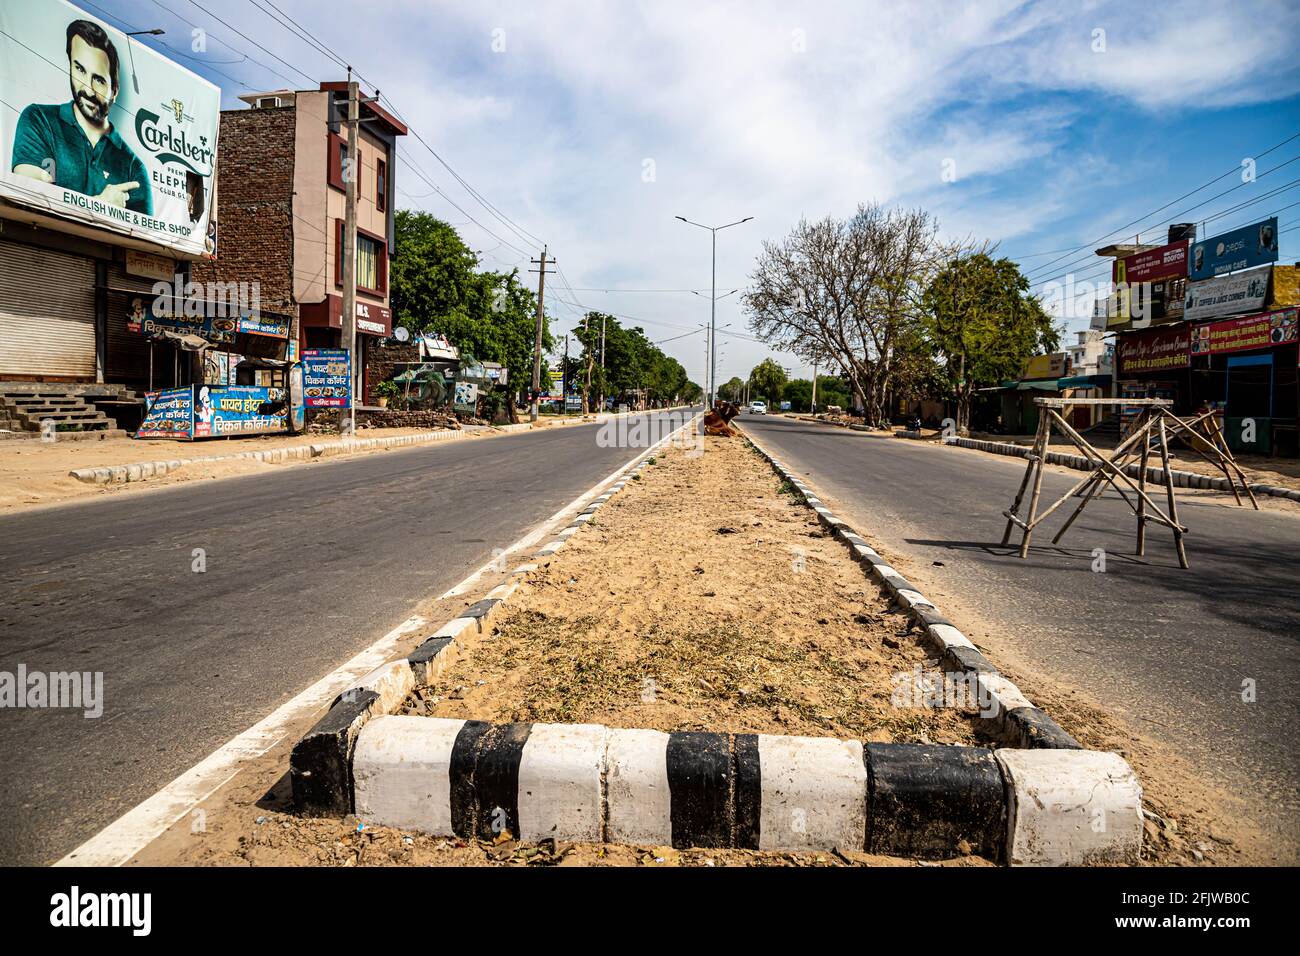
(143, 471)
(1016, 719)
(320, 765)
(1182, 479)
(594, 784)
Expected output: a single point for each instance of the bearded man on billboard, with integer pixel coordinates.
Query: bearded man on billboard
(73, 144)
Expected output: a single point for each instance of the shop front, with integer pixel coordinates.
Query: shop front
(233, 374)
(1247, 366)
(322, 328)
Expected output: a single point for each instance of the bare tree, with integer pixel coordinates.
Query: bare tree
(848, 290)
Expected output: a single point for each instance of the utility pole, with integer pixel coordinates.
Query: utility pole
(537, 346)
(564, 377)
(349, 319)
(602, 362)
(591, 361)
(814, 394)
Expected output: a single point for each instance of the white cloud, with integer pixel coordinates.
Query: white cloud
(740, 121)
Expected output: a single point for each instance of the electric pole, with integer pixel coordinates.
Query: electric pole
(349, 320)
(602, 362)
(537, 347)
(564, 377)
(814, 394)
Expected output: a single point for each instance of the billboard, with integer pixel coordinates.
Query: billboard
(1252, 332)
(1153, 351)
(1161, 263)
(1226, 295)
(100, 129)
(1242, 248)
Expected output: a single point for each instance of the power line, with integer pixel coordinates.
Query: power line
(1193, 192)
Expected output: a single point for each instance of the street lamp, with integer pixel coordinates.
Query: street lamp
(713, 298)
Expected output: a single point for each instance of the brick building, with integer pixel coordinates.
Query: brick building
(282, 204)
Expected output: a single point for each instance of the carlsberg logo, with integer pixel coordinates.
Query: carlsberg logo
(172, 146)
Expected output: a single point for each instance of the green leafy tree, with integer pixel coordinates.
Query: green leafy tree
(983, 324)
(732, 390)
(767, 381)
(436, 286)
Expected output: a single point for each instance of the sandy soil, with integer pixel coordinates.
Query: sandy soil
(34, 473)
(703, 598)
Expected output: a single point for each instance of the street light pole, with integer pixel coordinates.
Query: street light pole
(713, 303)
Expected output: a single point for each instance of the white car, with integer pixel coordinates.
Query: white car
(758, 408)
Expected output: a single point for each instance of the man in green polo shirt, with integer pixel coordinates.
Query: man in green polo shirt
(73, 144)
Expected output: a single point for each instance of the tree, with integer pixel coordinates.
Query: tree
(983, 324)
(731, 390)
(766, 381)
(436, 287)
(849, 291)
(633, 364)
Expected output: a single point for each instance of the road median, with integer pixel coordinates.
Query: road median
(707, 620)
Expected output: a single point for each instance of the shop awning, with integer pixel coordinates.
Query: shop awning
(1037, 385)
(1085, 381)
(184, 341)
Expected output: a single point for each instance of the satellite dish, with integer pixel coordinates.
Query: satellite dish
(401, 334)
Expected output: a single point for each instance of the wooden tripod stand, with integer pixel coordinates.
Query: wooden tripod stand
(1150, 434)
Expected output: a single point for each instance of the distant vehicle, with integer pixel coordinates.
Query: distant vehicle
(758, 408)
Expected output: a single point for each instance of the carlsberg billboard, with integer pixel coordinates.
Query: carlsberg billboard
(100, 129)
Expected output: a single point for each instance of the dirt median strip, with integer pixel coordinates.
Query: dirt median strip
(702, 598)
(679, 674)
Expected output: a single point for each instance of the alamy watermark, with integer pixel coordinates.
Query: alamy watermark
(933, 689)
(62, 690)
(644, 431)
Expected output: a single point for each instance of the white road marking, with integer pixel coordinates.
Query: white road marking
(137, 828)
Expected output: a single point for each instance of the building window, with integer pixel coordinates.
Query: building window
(372, 261)
(381, 186)
(338, 162)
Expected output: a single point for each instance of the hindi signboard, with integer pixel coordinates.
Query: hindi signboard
(1251, 332)
(327, 378)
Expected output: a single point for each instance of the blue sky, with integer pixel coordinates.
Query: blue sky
(591, 125)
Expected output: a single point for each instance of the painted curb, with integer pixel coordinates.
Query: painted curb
(1182, 479)
(1015, 718)
(594, 784)
(320, 765)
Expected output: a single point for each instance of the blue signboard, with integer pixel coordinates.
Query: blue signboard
(326, 378)
(1240, 249)
(239, 410)
(169, 413)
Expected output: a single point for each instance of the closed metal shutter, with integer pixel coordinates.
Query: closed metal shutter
(47, 313)
(128, 352)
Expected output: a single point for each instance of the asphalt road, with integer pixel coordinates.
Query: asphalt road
(306, 566)
(1169, 646)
